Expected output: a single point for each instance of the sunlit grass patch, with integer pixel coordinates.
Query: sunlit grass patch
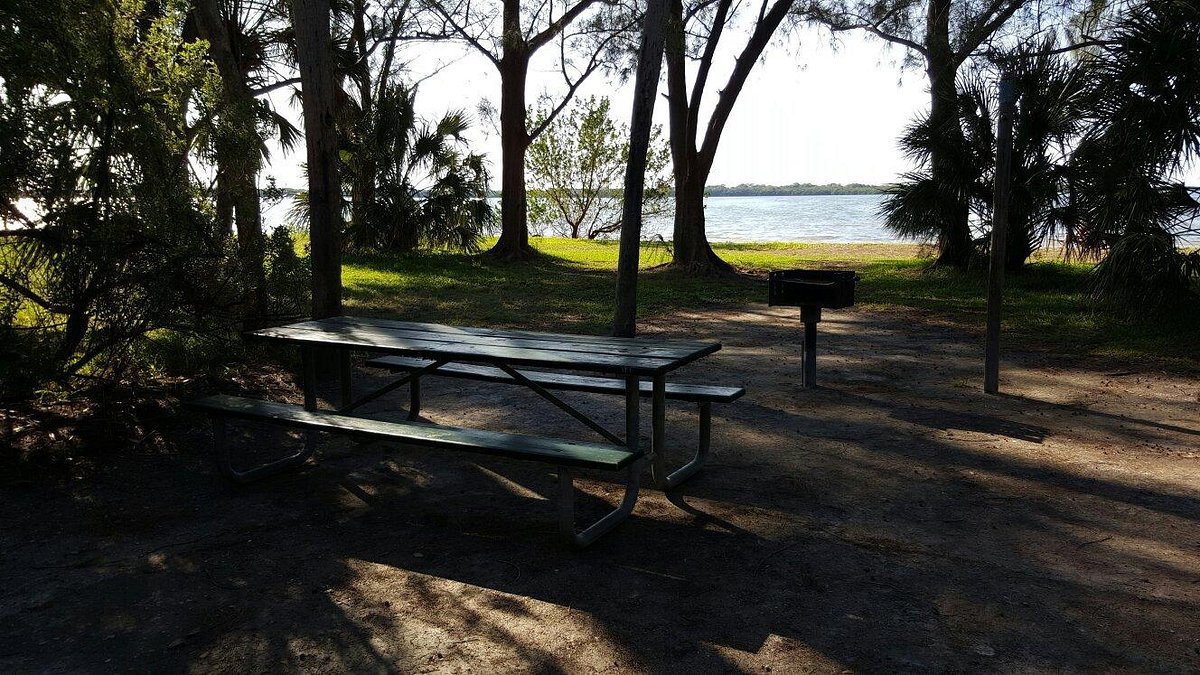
(571, 287)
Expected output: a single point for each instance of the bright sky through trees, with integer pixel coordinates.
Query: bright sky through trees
(809, 113)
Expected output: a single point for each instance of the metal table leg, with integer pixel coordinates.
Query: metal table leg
(658, 433)
(659, 471)
(632, 476)
(309, 377)
(224, 454)
(344, 376)
(633, 406)
(414, 398)
(566, 506)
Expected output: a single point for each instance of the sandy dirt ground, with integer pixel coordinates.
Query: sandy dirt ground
(893, 519)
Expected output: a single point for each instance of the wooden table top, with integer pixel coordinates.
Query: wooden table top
(632, 356)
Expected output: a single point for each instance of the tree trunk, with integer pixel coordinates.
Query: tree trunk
(691, 250)
(641, 121)
(691, 163)
(313, 52)
(252, 248)
(224, 198)
(362, 189)
(238, 163)
(514, 142)
(955, 247)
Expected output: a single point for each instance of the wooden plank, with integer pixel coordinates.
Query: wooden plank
(477, 353)
(549, 450)
(562, 381)
(686, 345)
(624, 349)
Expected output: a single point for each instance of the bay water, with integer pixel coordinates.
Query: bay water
(832, 218)
(815, 218)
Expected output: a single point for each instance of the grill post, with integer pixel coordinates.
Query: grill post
(810, 315)
(811, 291)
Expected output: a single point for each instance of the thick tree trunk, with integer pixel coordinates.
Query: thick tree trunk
(641, 121)
(251, 246)
(692, 163)
(224, 198)
(514, 142)
(313, 51)
(238, 164)
(955, 247)
(691, 250)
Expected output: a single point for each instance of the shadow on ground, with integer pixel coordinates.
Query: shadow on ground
(892, 519)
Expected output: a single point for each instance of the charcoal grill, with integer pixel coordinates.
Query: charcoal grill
(811, 291)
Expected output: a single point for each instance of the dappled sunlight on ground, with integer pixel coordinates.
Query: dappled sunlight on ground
(894, 518)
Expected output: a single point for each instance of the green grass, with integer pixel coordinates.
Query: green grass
(571, 288)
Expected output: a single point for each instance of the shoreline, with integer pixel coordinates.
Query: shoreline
(827, 249)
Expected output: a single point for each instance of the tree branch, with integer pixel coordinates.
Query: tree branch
(29, 294)
(981, 32)
(710, 49)
(471, 40)
(592, 67)
(259, 91)
(541, 39)
(737, 79)
(594, 63)
(1087, 43)
(879, 33)
(874, 27)
(696, 9)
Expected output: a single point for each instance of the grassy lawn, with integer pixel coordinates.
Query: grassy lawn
(571, 287)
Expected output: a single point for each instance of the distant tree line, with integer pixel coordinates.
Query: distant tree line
(758, 190)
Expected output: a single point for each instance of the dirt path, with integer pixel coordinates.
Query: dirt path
(893, 519)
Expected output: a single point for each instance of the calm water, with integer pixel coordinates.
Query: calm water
(842, 218)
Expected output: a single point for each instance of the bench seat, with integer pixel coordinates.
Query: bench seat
(697, 393)
(567, 456)
(548, 450)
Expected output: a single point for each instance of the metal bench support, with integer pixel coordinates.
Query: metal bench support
(658, 469)
(224, 456)
(414, 398)
(629, 469)
(566, 506)
(677, 477)
(662, 478)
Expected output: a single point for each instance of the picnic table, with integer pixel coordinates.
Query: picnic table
(632, 367)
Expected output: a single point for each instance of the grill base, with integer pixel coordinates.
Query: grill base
(811, 290)
(810, 315)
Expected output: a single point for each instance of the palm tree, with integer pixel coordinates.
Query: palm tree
(919, 206)
(428, 190)
(248, 43)
(1145, 127)
(1049, 88)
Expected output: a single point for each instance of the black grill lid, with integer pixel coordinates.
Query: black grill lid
(832, 289)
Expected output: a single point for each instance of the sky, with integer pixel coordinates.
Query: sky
(811, 111)
(808, 114)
